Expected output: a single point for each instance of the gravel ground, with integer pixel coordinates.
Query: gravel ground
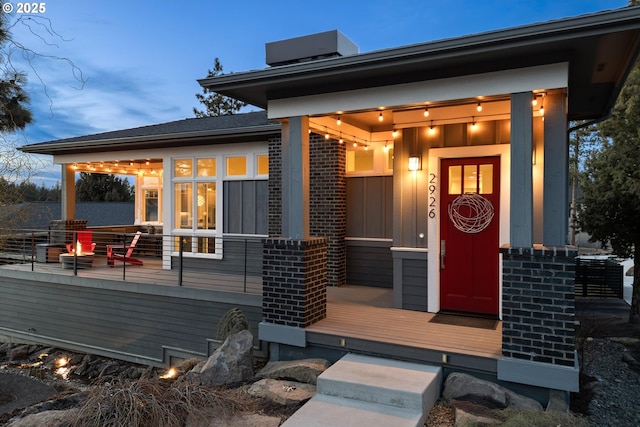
(616, 387)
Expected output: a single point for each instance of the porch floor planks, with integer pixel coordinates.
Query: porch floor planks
(390, 325)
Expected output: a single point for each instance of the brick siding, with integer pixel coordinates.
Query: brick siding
(328, 202)
(275, 187)
(294, 291)
(538, 304)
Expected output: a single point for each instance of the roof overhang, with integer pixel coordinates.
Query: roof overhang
(146, 142)
(600, 49)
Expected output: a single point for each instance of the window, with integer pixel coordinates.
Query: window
(150, 206)
(237, 166)
(214, 194)
(360, 160)
(195, 203)
(471, 179)
(371, 160)
(262, 164)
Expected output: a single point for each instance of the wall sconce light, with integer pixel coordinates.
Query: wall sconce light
(414, 163)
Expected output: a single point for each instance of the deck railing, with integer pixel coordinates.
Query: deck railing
(155, 258)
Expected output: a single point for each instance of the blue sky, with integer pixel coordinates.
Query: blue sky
(140, 58)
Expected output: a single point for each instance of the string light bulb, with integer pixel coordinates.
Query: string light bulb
(339, 121)
(479, 107)
(341, 140)
(394, 132)
(386, 147)
(542, 108)
(473, 122)
(380, 118)
(426, 112)
(534, 101)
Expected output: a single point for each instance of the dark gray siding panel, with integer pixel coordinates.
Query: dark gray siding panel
(414, 284)
(238, 256)
(369, 264)
(246, 207)
(370, 207)
(132, 326)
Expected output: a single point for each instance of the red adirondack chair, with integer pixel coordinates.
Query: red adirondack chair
(123, 252)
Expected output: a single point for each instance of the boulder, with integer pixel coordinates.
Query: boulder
(470, 414)
(467, 387)
(231, 363)
(20, 352)
(558, 401)
(286, 393)
(304, 370)
(45, 419)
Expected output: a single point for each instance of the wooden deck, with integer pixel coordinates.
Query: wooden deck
(151, 273)
(360, 319)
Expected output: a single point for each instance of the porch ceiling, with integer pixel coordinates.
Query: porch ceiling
(600, 49)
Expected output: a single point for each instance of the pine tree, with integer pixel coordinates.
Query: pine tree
(216, 104)
(611, 183)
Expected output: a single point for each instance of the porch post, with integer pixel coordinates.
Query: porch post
(295, 178)
(556, 167)
(68, 192)
(294, 269)
(521, 205)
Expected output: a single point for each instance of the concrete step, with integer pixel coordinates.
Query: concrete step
(329, 411)
(362, 390)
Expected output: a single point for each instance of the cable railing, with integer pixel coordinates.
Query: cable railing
(134, 255)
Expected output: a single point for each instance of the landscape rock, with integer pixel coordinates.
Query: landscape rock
(26, 391)
(558, 401)
(238, 420)
(231, 363)
(304, 370)
(45, 419)
(286, 393)
(20, 352)
(467, 387)
(469, 413)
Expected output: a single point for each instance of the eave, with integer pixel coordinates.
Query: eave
(584, 42)
(146, 142)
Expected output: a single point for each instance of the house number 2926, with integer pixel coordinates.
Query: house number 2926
(432, 198)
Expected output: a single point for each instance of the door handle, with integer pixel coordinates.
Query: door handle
(443, 252)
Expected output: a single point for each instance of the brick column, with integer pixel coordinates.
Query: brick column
(294, 281)
(275, 187)
(328, 202)
(538, 305)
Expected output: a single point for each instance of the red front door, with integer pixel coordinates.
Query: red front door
(469, 227)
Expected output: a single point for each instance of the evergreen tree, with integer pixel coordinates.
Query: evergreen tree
(611, 183)
(95, 187)
(14, 112)
(216, 104)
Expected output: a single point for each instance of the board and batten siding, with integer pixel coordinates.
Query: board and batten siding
(370, 207)
(144, 324)
(246, 207)
(370, 231)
